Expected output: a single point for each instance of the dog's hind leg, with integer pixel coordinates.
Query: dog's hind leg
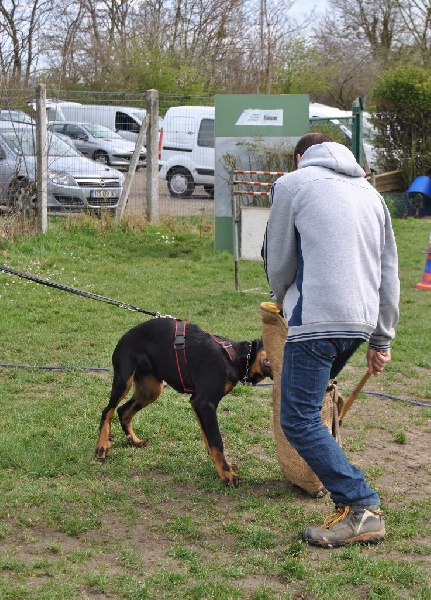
(206, 413)
(119, 391)
(147, 390)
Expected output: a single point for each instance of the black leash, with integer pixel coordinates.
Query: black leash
(53, 367)
(72, 290)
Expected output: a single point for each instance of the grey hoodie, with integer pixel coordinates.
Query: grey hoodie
(329, 251)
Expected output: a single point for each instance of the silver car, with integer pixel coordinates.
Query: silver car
(75, 183)
(11, 114)
(99, 143)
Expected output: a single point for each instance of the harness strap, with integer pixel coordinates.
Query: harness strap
(180, 352)
(228, 347)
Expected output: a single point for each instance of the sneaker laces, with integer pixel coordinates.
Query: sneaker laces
(340, 513)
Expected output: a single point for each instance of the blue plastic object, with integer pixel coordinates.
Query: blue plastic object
(422, 185)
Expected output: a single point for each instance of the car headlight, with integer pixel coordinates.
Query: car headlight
(61, 178)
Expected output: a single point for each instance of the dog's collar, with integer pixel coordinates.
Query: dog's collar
(245, 379)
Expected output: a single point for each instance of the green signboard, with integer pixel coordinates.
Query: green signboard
(250, 115)
(241, 119)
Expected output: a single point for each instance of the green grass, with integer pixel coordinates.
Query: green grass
(155, 523)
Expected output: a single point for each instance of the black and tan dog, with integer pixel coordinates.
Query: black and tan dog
(190, 360)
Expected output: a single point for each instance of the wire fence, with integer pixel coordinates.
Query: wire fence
(179, 194)
(19, 105)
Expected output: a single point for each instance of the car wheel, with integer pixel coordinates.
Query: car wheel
(180, 183)
(209, 190)
(22, 195)
(101, 157)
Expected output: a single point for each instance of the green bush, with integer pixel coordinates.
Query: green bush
(402, 118)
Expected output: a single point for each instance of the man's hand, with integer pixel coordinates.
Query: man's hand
(377, 359)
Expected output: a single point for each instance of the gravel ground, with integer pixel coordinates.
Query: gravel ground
(197, 204)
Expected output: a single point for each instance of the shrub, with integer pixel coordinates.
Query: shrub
(402, 118)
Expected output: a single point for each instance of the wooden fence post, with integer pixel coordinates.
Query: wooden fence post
(153, 157)
(41, 159)
(131, 172)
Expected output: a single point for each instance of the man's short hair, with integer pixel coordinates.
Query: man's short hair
(308, 140)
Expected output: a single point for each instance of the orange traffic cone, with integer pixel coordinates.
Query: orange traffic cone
(426, 277)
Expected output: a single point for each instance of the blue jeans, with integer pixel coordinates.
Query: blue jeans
(307, 368)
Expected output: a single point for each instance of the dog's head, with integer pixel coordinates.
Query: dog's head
(259, 364)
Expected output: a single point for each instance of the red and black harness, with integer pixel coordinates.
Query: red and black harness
(181, 357)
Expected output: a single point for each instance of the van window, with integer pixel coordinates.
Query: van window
(206, 133)
(124, 122)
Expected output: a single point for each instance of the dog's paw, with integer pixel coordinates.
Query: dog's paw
(231, 479)
(135, 441)
(103, 446)
(233, 476)
(101, 453)
(224, 469)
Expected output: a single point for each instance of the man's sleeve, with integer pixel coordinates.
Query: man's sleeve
(389, 291)
(279, 247)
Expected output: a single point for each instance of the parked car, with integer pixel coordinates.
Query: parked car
(99, 143)
(75, 183)
(18, 116)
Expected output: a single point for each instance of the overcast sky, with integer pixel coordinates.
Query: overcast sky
(306, 6)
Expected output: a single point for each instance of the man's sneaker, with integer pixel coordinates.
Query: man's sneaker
(349, 524)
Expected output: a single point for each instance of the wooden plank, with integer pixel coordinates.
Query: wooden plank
(390, 181)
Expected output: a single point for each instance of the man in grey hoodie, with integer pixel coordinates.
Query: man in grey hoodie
(331, 261)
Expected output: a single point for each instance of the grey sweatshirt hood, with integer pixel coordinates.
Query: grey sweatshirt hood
(332, 155)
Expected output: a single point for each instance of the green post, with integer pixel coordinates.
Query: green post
(357, 129)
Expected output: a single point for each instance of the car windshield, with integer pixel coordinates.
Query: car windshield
(23, 143)
(100, 131)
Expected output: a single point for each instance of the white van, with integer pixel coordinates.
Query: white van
(187, 149)
(125, 120)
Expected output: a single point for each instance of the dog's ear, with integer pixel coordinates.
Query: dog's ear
(257, 345)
